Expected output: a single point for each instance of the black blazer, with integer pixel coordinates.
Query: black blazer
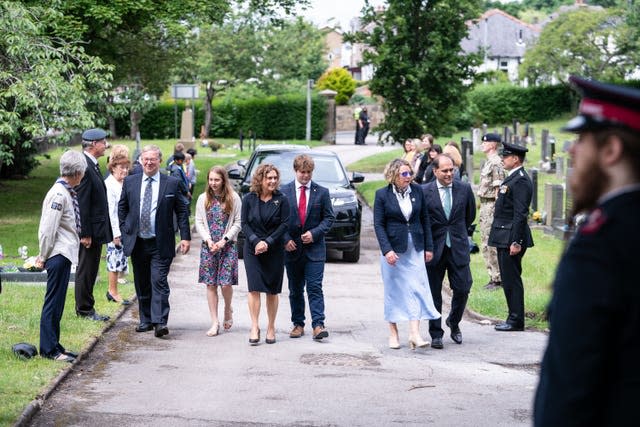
(462, 215)
(170, 201)
(391, 227)
(319, 219)
(272, 230)
(511, 212)
(94, 207)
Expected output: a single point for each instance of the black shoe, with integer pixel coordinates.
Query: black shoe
(95, 316)
(110, 298)
(144, 327)
(456, 335)
(508, 327)
(492, 286)
(71, 354)
(254, 341)
(270, 340)
(161, 330)
(437, 343)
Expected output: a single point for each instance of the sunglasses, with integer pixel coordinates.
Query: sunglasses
(406, 174)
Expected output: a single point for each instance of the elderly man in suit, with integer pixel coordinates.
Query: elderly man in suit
(510, 232)
(452, 209)
(96, 227)
(305, 251)
(146, 208)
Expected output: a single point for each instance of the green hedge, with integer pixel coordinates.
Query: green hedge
(281, 117)
(502, 103)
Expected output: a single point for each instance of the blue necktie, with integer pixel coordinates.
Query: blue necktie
(145, 213)
(447, 210)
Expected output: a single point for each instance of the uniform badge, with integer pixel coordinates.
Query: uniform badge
(57, 206)
(504, 189)
(276, 202)
(594, 222)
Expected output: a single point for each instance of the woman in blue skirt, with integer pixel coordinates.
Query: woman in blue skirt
(402, 227)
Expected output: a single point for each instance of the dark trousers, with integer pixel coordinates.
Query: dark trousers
(150, 273)
(511, 274)
(460, 282)
(86, 274)
(301, 272)
(58, 273)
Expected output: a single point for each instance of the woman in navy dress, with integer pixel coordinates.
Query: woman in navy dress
(265, 212)
(401, 223)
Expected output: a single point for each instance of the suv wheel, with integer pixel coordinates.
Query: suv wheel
(353, 255)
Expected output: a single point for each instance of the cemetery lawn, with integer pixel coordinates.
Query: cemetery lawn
(21, 303)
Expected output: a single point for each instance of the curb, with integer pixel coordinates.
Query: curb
(36, 404)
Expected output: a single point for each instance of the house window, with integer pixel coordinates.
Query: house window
(504, 65)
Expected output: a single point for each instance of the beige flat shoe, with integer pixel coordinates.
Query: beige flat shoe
(214, 330)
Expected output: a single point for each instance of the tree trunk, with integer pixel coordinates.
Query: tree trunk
(208, 111)
(135, 117)
(112, 127)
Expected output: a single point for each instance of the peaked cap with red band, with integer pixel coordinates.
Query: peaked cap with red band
(604, 105)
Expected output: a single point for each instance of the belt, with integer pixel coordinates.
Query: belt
(487, 199)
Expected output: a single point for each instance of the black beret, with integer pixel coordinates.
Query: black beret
(24, 350)
(96, 134)
(492, 137)
(509, 149)
(604, 105)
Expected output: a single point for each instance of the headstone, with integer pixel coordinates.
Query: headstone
(484, 128)
(476, 137)
(330, 120)
(506, 134)
(551, 146)
(534, 198)
(543, 146)
(566, 146)
(553, 194)
(186, 128)
(559, 167)
(467, 155)
(532, 136)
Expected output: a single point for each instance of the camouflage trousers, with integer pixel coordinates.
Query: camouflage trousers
(489, 253)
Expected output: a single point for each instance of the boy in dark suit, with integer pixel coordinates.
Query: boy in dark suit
(305, 251)
(510, 232)
(452, 209)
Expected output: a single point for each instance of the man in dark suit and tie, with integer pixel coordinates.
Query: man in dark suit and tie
(452, 209)
(305, 251)
(94, 220)
(146, 210)
(510, 232)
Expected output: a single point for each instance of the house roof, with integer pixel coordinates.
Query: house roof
(502, 35)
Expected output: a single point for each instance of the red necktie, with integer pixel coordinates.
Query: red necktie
(302, 205)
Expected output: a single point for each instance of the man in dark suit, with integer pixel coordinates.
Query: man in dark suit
(510, 232)
(305, 251)
(590, 374)
(94, 219)
(147, 205)
(452, 209)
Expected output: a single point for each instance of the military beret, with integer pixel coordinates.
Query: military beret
(509, 149)
(96, 134)
(492, 137)
(604, 105)
(24, 350)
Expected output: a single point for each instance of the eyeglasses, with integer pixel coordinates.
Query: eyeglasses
(406, 174)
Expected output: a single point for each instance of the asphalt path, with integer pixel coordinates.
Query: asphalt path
(352, 378)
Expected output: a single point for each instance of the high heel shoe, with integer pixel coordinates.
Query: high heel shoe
(110, 298)
(255, 341)
(270, 340)
(393, 343)
(215, 328)
(417, 342)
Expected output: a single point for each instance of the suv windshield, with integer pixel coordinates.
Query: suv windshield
(327, 172)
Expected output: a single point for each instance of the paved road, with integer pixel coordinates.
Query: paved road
(351, 378)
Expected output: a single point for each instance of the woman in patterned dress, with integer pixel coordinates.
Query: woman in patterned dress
(218, 224)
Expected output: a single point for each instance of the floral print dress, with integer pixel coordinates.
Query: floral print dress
(219, 268)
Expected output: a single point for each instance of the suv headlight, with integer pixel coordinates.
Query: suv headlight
(344, 200)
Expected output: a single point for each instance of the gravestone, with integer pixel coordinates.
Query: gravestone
(534, 197)
(186, 129)
(559, 167)
(543, 145)
(553, 195)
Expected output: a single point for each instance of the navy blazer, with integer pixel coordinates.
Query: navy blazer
(170, 201)
(391, 227)
(462, 215)
(94, 207)
(318, 221)
(272, 229)
(510, 220)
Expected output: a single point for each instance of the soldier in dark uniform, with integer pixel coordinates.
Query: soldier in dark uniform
(510, 233)
(590, 373)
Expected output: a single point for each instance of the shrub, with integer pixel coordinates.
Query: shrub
(340, 80)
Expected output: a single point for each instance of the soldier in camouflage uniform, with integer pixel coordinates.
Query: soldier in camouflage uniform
(491, 177)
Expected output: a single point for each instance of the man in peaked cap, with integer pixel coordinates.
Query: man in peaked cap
(95, 226)
(491, 176)
(590, 373)
(510, 233)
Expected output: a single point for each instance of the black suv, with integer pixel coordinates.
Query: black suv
(329, 172)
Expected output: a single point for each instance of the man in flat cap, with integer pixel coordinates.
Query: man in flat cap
(590, 373)
(95, 225)
(491, 176)
(510, 232)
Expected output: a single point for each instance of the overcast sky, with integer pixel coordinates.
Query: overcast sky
(321, 11)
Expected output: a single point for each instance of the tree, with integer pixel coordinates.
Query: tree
(420, 68)
(46, 84)
(340, 80)
(591, 43)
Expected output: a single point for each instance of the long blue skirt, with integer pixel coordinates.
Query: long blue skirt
(407, 295)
